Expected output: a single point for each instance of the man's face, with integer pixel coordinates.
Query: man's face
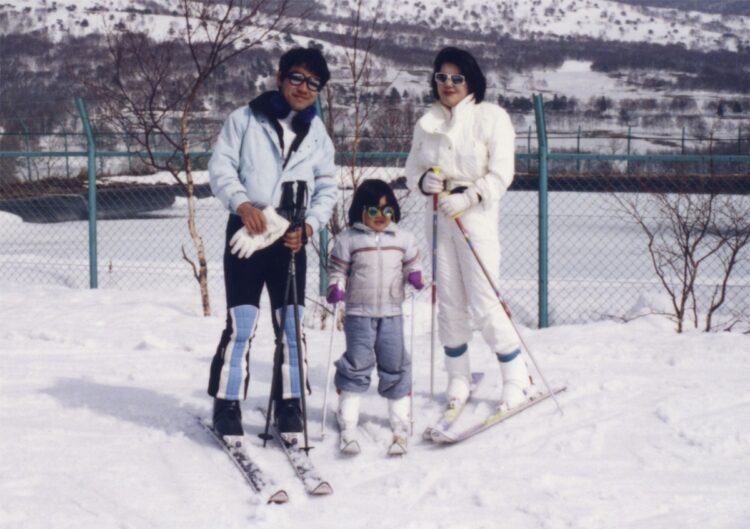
(299, 96)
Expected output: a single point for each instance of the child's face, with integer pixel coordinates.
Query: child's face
(382, 215)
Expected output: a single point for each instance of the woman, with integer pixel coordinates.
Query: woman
(463, 150)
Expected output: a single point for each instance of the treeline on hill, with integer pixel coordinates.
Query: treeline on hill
(40, 80)
(724, 7)
(696, 70)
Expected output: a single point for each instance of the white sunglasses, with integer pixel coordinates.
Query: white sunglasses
(456, 79)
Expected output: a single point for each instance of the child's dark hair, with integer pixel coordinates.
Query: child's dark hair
(369, 194)
(310, 58)
(468, 66)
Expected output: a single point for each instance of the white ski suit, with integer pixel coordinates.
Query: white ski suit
(472, 145)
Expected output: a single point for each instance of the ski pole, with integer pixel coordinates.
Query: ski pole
(328, 372)
(411, 384)
(300, 357)
(278, 359)
(433, 314)
(503, 305)
(299, 215)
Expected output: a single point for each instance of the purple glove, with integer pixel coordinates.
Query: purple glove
(415, 280)
(335, 294)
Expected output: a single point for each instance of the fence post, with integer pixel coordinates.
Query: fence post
(528, 151)
(91, 148)
(101, 160)
(28, 149)
(627, 164)
(130, 158)
(682, 149)
(739, 140)
(323, 262)
(578, 150)
(541, 132)
(322, 236)
(67, 158)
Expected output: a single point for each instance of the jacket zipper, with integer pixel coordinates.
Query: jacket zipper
(380, 274)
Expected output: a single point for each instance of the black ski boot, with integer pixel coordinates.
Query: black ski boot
(228, 417)
(288, 414)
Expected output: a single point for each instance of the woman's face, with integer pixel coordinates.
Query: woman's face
(378, 218)
(451, 94)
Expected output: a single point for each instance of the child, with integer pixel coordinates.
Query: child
(370, 262)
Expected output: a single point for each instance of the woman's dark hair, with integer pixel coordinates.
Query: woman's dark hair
(310, 58)
(468, 66)
(369, 194)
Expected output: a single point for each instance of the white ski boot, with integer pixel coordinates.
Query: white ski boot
(348, 417)
(459, 380)
(516, 382)
(398, 415)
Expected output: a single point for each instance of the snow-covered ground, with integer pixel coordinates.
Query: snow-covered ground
(100, 390)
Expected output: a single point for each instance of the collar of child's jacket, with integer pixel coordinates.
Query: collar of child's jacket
(361, 226)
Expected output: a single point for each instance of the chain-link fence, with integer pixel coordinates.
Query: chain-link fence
(593, 220)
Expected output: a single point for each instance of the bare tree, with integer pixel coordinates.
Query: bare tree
(351, 101)
(152, 99)
(733, 229)
(690, 237)
(359, 46)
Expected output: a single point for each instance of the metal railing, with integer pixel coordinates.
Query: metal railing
(136, 235)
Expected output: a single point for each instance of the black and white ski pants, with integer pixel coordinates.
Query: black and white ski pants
(244, 280)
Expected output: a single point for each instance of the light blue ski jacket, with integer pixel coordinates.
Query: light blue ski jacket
(247, 165)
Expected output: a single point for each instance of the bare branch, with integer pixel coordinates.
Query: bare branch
(152, 103)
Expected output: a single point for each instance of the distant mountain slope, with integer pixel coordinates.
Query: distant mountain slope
(724, 7)
(607, 20)
(556, 19)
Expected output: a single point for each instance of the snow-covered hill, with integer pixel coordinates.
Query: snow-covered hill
(541, 19)
(599, 19)
(583, 50)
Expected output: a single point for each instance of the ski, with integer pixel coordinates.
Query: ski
(349, 447)
(451, 415)
(233, 447)
(314, 484)
(496, 417)
(311, 479)
(398, 446)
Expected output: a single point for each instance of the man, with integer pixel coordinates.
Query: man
(274, 142)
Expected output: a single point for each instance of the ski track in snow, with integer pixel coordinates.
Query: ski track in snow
(100, 389)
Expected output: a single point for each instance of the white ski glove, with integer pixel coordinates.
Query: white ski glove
(454, 204)
(433, 182)
(243, 244)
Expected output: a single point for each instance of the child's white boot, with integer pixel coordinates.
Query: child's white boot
(398, 415)
(516, 381)
(459, 379)
(348, 418)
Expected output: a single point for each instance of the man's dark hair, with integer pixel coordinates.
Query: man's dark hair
(369, 194)
(468, 66)
(310, 58)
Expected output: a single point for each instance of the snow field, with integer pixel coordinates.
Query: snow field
(100, 390)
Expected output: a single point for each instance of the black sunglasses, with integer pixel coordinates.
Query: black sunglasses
(456, 79)
(374, 211)
(296, 79)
